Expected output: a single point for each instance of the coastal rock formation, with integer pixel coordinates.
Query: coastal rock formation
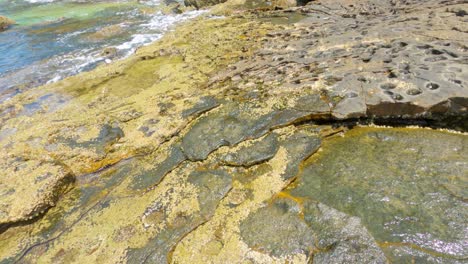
(401, 184)
(105, 33)
(361, 70)
(5, 23)
(29, 187)
(202, 3)
(250, 139)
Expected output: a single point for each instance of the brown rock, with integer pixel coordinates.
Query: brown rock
(5, 23)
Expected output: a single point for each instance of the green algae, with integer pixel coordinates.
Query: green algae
(278, 230)
(162, 208)
(155, 89)
(395, 181)
(129, 93)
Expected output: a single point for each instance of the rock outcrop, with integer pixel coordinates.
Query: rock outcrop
(5, 23)
(239, 140)
(29, 187)
(106, 33)
(360, 69)
(202, 3)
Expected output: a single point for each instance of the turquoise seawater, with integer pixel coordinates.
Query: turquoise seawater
(55, 39)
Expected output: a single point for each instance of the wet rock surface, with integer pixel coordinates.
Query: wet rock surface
(412, 203)
(278, 230)
(341, 238)
(234, 140)
(260, 151)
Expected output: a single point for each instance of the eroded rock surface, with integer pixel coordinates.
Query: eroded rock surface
(28, 187)
(227, 142)
(366, 58)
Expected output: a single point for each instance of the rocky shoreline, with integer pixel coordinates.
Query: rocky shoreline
(250, 138)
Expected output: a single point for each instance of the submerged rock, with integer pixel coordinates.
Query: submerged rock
(290, 226)
(401, 183)
(278, 230)
(341, 238)
(106, 33)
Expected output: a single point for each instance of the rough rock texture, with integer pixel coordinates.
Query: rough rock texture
(202, 3)
(367, 59)
(28, 187)
(231, 140)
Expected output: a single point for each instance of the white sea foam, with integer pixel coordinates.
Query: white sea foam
(147, 33)
(60, 66)
(159, 24)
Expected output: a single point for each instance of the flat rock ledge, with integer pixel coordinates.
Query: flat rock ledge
(250, 139)
(29, 187)
(365, 62)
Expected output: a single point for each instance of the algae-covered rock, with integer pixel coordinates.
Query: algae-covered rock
(106, 33)
(236, 122)
(152, 177)
(29, 187)
(205, 104)
(202, 3)
(255, 153)
(213, 185)
(5, 23)
(278, 230)
(341, 238)
(399, 183)
(140, 107)
(218, 144)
